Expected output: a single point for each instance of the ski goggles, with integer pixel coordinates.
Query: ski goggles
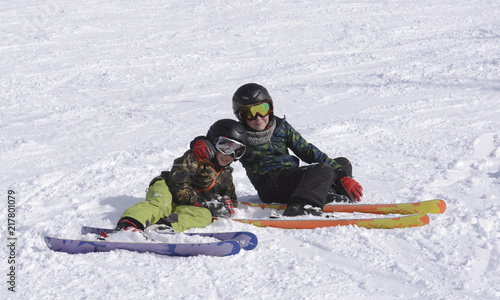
(228, 146)
(251, 112)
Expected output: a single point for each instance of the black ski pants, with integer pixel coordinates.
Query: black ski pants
(302, 185)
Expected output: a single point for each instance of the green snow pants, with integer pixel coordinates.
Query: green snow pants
(159, 204)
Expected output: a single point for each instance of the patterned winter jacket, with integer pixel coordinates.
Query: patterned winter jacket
(192, 181)
(273, 154)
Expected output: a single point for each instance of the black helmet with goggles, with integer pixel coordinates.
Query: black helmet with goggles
(251, 100)
(228, 137)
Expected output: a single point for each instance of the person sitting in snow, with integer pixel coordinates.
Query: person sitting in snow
(273, 171)
(193, 191)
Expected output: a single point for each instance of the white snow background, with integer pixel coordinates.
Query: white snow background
(98, 97)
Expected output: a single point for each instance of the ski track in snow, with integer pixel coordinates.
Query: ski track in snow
(99, 97)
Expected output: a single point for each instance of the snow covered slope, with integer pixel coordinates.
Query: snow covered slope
(99, 96)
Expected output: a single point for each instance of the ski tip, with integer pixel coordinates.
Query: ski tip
(236, 247)
(441, 205)
(424, 219)
(248, 240)
(434, 206)
(47, 241)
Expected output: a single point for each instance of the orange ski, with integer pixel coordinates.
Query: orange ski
(436, 206)
(375, 223)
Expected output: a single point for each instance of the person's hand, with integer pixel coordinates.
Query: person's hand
(353, 188)
(219, 206)
(202, 149)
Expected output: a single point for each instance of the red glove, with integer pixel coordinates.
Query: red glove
(203, 149)
(354, 189)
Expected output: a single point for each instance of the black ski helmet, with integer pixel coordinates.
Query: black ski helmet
(249, 94)
(228, 128)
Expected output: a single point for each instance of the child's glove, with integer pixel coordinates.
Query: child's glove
(219, 206)
(202, 148)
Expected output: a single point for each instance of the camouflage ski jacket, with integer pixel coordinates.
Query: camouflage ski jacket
(192, 181)
(273, 154)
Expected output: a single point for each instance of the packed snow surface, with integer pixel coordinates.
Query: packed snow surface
(98, 97)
